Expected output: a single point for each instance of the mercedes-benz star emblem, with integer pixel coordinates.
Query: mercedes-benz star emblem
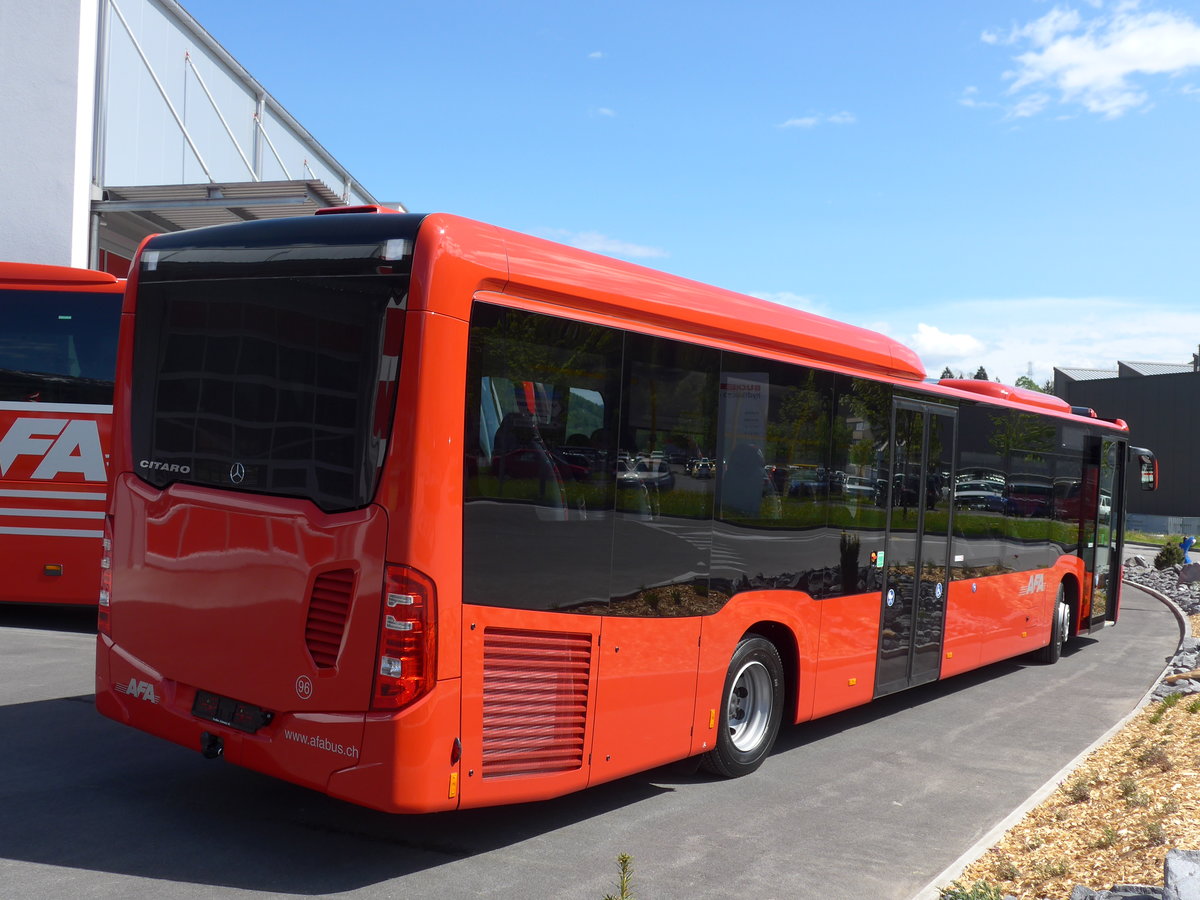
(236, 473)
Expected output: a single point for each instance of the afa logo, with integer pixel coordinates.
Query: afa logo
(62, 446)
(1037, 584)
(142, 690)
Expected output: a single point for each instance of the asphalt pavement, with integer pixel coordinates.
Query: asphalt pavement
(871, 803)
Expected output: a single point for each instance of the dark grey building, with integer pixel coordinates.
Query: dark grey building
(1158, 400)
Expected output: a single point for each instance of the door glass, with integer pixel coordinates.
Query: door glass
(934, 549)
(896, 624)
(1106, 533)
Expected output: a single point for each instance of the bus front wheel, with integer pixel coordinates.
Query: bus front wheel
(1059, 629)
(751, 709)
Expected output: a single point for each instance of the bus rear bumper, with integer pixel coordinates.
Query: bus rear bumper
(384, 761)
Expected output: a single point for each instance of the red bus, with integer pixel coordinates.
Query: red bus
(403, 511)
(58, 351)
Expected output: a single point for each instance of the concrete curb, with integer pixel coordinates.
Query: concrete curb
(932, 891)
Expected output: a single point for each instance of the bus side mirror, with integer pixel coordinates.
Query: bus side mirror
(1148, 469)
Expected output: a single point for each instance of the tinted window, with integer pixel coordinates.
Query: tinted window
(272, 385)
(543, 396)
(58, 347)
(663, 537)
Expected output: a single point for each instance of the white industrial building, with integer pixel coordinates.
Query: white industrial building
(123, 118)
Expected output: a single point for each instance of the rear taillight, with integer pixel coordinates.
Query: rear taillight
(104, 612)
(405, 666)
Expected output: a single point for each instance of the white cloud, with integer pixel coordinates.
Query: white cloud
(838, 118)
(1006, 336)
(932, 341)
(604, 112)
(600, 243)
(970, 98)
(806, 122)
(1104, 63)
(596, 54)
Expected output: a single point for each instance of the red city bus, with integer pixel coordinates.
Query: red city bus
(403, 512)
(58, 351)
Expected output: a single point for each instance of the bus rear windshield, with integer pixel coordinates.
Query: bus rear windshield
(58, 346)
(279, 386)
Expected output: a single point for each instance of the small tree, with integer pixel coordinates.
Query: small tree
(1029, 384)
(981, 374)
(624, 878)
(1169, 555)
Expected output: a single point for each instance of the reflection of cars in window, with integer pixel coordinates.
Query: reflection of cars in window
(987, 496)
(776, 479)
(535, 462)
(859, 488)
(648, 472)
(1028, 499)
(807, 481)
(703, 469)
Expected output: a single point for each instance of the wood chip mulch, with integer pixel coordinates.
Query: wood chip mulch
(1114, 818)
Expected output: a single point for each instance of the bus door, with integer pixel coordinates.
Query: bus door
(917, 551)
(1102, 554)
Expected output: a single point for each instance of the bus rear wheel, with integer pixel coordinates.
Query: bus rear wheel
(751, 709)
(1059, 629)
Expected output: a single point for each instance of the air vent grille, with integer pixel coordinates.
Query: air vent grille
(535, 698)
(327, 610)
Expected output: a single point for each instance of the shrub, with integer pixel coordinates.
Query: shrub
(1156, 756)
(1156, 834)
(1169, 555)
(1078, 790)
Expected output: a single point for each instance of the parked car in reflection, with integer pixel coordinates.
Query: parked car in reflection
(645, 472)
(1028, 499)
(987, 496)
(703, 468)
(807, 482)
(858, 488)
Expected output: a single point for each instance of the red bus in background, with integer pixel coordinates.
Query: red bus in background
(403, 510)
(58, 349)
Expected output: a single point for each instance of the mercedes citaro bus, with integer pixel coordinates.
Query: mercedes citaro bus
(402, 512)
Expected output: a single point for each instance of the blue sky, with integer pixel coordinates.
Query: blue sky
(1010, 183)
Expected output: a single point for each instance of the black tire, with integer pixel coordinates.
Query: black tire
(751, 709)
(1059, 628)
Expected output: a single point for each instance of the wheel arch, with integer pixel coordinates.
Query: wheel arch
(1072, 593)
(788, 647)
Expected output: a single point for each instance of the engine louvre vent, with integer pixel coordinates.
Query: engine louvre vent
(535, 698)
(327, 610)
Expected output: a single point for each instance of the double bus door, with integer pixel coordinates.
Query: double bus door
(917, 552)
(1104, 531)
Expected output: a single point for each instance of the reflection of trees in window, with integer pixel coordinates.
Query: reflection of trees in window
(1021, 435)
(798, 430)
(522, 347)
(872, 402)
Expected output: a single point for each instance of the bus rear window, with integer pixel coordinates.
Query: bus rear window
(58, 346)
(279, 386)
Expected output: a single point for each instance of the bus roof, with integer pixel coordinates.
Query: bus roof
(34, 276)
(587, 282)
